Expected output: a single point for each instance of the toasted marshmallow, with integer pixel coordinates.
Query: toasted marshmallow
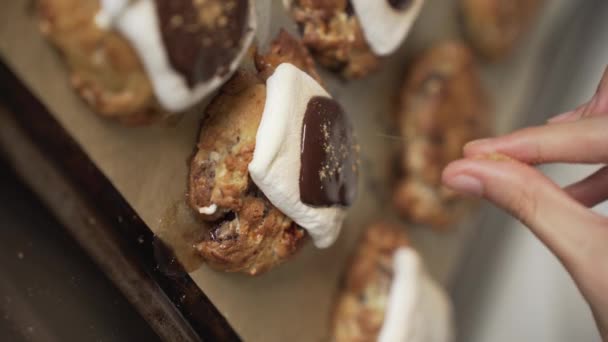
(304, 157)
(138, 21)
(386, 23)
(418, 310)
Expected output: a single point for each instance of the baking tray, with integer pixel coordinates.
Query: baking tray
(90, 208)
(113, 186)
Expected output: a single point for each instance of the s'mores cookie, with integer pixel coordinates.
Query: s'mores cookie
(387, 294)
(442, 107)
(352, 36)
(277, 161)
(136, 60)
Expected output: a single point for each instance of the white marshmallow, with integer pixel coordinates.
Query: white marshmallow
(418, 310)
(384, 27)
(138, 23)
(275, 167)
(110, 9)
(208, 210)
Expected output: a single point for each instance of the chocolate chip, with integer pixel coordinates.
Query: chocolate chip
(220, 230)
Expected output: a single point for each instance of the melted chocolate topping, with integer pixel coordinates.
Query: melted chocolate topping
(400, 5)
(202, 38)
(329, 155)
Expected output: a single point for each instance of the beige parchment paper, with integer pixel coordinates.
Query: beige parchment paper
(148, 165)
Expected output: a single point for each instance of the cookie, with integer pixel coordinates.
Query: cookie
(351, 37)
(494, 27)
(242, 177)
(387, 295)
(246, 232)
(138, 60)
(442, 107)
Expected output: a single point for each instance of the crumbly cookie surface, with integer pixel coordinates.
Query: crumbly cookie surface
(361, 304)
(495, 26)
(246, 232)
(334, 35)
(105, 70)
(442, 107)
(285, 49)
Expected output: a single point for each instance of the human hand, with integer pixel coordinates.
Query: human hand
(561, 218)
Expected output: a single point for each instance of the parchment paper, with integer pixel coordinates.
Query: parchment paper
(149, 165)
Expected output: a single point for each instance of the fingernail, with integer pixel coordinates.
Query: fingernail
(499, 157)
(476, 147)
(562, 117)
(466, 184)
(477, 142)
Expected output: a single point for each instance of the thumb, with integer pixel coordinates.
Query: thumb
(569, 229)
(576, 235)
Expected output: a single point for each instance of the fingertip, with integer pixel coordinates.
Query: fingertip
(477, 147)
(484, 168)
(461, 176)
(455, 168)
(473, 165)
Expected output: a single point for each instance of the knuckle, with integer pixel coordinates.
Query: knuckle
(536, 151)
(540, 154)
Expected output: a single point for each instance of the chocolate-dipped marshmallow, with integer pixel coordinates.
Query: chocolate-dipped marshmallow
(386, 23)
(306, 157)
(188, 47)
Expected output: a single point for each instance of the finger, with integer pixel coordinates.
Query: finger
(599, 103)
(570, 116)
(565, 226)
(592, 190)
(582, 141)
(597, 106)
